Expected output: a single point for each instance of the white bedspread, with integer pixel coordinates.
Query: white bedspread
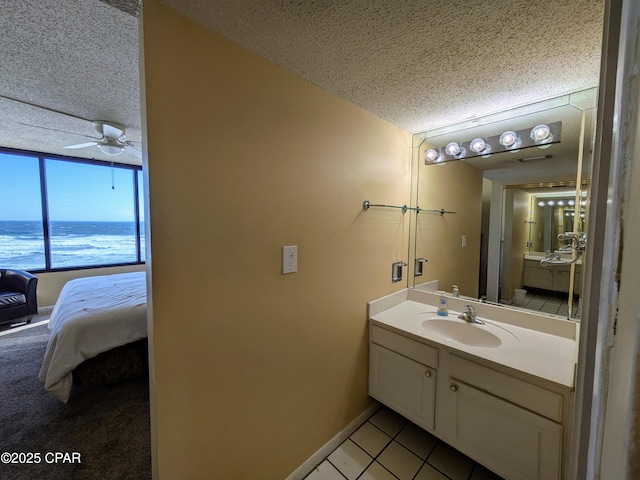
(92, 315)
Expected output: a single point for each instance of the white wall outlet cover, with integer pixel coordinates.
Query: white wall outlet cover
(289, 259)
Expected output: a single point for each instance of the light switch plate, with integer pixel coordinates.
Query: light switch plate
(289, 259)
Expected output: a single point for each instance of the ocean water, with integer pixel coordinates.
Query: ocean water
(73, 244)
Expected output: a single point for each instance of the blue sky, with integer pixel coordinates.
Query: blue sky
(77, 192)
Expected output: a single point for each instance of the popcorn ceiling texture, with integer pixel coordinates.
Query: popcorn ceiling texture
(419, 64)
(77, 57)
(132, 7)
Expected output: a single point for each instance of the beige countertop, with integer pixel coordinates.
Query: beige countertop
(540, 255)
(545, 350)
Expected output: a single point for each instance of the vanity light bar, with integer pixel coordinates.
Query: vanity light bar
(540, 136)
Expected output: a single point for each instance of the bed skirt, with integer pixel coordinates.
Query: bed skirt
(121, 363)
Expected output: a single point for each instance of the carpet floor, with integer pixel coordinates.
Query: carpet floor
(106, 428)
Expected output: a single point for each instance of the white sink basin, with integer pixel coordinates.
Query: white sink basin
(463, 332)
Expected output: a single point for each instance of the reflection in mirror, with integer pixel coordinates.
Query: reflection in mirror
(511, 204)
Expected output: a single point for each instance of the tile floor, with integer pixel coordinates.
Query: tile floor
(390, 447)
(549, 302)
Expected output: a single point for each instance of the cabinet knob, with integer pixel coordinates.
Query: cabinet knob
(427, 373)
(454, 387)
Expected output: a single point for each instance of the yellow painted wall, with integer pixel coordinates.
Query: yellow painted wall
(254, 370)
(454, 186)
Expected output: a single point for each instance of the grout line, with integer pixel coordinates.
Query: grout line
(337, 469)
(373, 459)
(436, 468)
(393, 439)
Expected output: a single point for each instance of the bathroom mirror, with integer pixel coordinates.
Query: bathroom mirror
(508, 207)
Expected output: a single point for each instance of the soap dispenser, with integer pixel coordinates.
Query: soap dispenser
(443, 309)
(456, 291)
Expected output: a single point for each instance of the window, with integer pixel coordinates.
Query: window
(81, 214)
(141, 216)
(21, 228)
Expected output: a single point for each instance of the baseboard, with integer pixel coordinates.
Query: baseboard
(45, 310)
(317, 458)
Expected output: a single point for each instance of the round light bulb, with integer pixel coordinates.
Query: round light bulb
(509, 139)
(452, 149)
(561, 203)
(431, 155)
(551, 203)
(541, 204)
(571, 203)
(541, 134)
(478, 145)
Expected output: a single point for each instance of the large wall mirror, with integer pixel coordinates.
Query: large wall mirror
(509, 202)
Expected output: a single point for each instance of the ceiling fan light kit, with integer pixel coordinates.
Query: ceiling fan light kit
(112, 139)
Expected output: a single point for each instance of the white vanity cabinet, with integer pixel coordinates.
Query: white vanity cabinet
(402, 375)
(550, 277)
(508, 422)
(508, 425)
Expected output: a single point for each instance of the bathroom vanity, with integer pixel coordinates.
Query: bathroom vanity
(502, 392)
(550, 277)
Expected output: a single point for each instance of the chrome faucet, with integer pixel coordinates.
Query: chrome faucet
(469, 315)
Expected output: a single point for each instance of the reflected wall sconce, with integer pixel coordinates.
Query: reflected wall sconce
(540, 136)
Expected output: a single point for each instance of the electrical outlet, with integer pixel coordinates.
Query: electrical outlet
(464, 241)
(289, 259)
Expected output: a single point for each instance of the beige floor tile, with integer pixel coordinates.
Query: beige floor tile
(417, 440)
(324, 471)
(388, 421)
(400, 461)
(350, 459)
(376, 472)
(427, 472)
(451, 462)
(370, 438)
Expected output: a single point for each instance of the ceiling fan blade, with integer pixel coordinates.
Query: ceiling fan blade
(82, 145)
(131, 149)
(55, 130)
(24, 102)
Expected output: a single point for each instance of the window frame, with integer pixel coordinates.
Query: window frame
(44, 200)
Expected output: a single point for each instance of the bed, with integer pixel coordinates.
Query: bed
(98, 332)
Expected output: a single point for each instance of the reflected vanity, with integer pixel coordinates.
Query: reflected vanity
(512, 204)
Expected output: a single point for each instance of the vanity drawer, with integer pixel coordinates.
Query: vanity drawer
(531, 397)
(417, 351)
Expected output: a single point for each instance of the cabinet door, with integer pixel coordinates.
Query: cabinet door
(537, 277)
(514, 442)
(406, 386)
(561, 278)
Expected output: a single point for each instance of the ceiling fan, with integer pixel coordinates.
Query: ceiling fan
(112, 139)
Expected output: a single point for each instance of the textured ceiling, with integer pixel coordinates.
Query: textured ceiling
(421, 63)
(77, 57)
(417, 64)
